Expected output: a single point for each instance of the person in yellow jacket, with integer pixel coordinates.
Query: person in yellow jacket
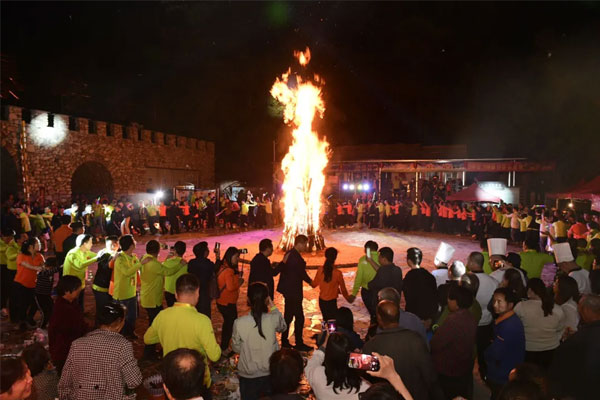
(174, 262)
(152, 281)
(12, 252)
(8, 248)
(182, 326)
(126, 270)
(152, 278)
(78, 260)
(533, 261)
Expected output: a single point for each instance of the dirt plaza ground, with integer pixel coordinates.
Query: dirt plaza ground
(348, 242)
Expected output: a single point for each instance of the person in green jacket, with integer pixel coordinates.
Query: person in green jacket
(532, 261)
(182, 326)
(11, 251)
(365, 274)
(78, 259)
(126, 270)
(174, 261)
(151, 291)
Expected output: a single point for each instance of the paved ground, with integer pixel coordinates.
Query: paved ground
(349, 243)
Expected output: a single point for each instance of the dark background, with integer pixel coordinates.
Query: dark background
(507, 79)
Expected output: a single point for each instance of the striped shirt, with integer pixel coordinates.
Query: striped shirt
(45, 281)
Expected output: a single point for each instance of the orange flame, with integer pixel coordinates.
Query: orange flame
(303, 57)
(307, 157)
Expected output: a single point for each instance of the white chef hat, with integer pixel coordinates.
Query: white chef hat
(562, 252)
(497, 246)
(444, 254)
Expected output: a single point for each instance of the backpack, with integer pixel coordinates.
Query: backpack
(214, 291)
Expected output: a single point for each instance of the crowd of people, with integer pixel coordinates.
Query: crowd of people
(529, 321)
(513, 222)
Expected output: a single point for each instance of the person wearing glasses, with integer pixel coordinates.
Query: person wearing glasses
(101, 365)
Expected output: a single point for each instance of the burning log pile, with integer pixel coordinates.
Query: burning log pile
(307, 157)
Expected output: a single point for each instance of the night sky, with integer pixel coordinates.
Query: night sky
(507, 79)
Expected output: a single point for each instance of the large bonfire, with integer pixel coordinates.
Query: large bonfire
(307, 157)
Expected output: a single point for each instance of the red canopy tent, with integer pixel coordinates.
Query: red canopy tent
(583, 191)
(474, 193)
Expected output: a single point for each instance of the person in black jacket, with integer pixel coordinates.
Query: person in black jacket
(71, 241)
(103, 273)
(387, 275)
(576, 365)
(419, 287)
(261, 269)
(204, 269)
(293, 272)
(409, 351)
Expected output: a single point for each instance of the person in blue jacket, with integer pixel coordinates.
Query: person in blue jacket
(508, 347)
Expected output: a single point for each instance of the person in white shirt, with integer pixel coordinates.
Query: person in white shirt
(581, 276)
(511, 261)
(566, 295)
(328, 372)
(255, 339)
(544, 323)
(485, 328)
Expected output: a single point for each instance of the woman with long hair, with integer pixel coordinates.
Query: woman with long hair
(255, 339)
(229, 282)
(328, 373)
(544, 323)
(566, 295)
(330, 281)
(513, 281)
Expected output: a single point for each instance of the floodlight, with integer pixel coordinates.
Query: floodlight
(360, 187)
(345, 186)
(351, 186)
(366, 187)
(47, 130)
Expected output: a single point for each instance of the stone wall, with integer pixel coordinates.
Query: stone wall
(137, 159)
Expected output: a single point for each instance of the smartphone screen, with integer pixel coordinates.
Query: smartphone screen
(368, 252)
(365, 362)
(329, 325)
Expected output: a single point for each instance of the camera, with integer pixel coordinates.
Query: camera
(217, 246)
(244, 251)
(164, 246)
(365, 362)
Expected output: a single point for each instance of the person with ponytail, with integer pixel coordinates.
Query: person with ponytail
(330, 282)
(544, 323)
(255, 339)
(229, 281)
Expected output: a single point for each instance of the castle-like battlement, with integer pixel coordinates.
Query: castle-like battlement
(138, 159)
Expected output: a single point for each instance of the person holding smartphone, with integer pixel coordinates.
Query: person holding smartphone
(328, 371)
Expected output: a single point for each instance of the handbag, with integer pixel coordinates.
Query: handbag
(214, 291)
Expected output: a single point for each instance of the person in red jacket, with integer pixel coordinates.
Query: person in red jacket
(66, 323)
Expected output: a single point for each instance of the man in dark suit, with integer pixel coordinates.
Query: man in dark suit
(293, 272)
(412, 360)
(387, 275)
(260, 266)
